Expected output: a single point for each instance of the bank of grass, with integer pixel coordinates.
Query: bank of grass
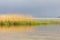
(18, 23)
(27, 23)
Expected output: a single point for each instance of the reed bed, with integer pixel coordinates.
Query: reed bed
(27, 23)
(22, 20)
(18, 23)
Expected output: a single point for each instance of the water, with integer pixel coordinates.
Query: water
(43, 32)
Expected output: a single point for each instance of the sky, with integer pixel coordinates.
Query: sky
(36, 8)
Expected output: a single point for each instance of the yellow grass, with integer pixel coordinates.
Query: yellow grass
(12, 17)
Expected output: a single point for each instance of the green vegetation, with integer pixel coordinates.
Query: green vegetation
(18, 23)
(29, 23)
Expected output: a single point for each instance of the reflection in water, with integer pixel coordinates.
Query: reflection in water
(15, 32)
(45, 32)
(16, 29)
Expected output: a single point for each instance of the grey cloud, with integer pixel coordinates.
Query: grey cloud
(38, 8)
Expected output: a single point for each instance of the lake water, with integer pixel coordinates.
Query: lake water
(43, 32)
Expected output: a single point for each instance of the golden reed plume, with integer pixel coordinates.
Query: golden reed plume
(15, 17)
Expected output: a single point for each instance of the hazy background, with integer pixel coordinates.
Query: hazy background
(37, 8)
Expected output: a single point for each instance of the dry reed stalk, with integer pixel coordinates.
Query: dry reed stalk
(15, 18)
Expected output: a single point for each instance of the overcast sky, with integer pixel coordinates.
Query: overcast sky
(37, 8)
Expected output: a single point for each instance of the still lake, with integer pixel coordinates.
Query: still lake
(43, 32)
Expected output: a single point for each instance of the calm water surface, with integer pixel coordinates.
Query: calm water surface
(45, 32)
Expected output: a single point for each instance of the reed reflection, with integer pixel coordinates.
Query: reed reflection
(16, 28)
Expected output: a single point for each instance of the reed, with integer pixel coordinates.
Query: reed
(17, 23)
(25, 23)
(18, 20)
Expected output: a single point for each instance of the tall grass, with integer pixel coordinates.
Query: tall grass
(34, 22)
(18, 23)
